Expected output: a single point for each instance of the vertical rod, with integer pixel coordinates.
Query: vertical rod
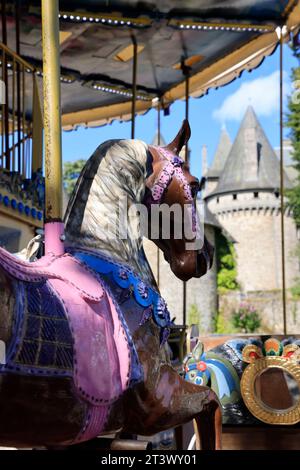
(187, 97)
(134, 75)
(23, 122)
(282, 189)
(5, 121)
(187, 161)
(2, 116)
(158, 143)
(17, 21)
(52, 110)
(13, 114)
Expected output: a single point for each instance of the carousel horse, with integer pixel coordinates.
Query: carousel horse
(85, 328)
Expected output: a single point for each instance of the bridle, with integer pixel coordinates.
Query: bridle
(172, 168)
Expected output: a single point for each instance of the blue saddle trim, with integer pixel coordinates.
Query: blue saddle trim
(145, 295)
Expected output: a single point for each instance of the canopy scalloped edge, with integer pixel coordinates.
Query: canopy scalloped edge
(218, 74)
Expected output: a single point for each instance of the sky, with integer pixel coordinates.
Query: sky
(223, 106)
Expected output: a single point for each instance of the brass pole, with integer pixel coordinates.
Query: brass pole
(52, 110)
(282, 189)
(134, 74)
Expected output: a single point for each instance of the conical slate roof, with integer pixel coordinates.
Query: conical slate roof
(221, 155)
(155, 140)
(252, 163)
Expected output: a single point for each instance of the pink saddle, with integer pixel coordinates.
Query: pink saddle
(64, 267)
(101, 351)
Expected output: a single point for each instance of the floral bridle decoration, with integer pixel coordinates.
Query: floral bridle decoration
(173, 167)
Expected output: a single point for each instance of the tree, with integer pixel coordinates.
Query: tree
(293, 122)
(71, 173)
(226, 265)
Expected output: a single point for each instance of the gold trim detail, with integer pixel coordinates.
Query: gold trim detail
(255, 406)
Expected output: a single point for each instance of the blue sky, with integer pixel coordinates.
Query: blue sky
(207, 115)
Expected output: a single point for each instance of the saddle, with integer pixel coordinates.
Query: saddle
(65, 267)
(101, 351)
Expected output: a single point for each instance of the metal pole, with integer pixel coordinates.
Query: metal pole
(52, 110)
(5, 121)
(134, 74)
(158, 143)
(282, 189)
(17, 20)
(187, 97)
(186, 72)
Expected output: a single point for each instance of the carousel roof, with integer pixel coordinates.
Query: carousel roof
(217, 40)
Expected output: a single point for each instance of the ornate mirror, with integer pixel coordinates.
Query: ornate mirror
(270, 384)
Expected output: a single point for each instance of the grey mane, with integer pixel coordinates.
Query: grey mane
(116, 170)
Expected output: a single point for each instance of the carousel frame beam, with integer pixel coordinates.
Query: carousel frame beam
(52, 110)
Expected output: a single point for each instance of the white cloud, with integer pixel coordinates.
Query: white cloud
(262, 93)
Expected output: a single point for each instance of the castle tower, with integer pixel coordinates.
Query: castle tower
(246, 203)
(212, 175)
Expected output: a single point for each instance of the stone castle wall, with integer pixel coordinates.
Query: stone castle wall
(269, 307)
(254, 225)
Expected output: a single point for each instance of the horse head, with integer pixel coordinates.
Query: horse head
(171, 185)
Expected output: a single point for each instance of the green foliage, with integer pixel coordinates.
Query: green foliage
(293, 122)
(194, 316)
(246, 319)
(220, 325)
(226, 265)
(295, 290)
(71, 173)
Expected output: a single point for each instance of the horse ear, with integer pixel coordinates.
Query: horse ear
(198, 350)
(181, 139)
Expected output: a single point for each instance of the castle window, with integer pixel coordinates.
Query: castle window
(218, 200)
(276, 194)
(234, 197)
(255, 195)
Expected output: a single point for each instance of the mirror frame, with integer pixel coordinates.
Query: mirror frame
(255, 405)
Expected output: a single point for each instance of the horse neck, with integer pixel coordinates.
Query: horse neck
(95, 215)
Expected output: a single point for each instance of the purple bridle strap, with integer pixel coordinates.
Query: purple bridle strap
(172, 168)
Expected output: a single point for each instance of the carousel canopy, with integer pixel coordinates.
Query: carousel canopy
(216, 40)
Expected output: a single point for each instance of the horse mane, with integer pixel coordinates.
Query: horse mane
(117, 169)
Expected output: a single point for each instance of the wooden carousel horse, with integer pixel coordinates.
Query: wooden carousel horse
(85, 330)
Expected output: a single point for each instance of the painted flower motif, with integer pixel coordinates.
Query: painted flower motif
(161, 307)
(201, 366)
(123, 274)
(143, 290)
(177, 161)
